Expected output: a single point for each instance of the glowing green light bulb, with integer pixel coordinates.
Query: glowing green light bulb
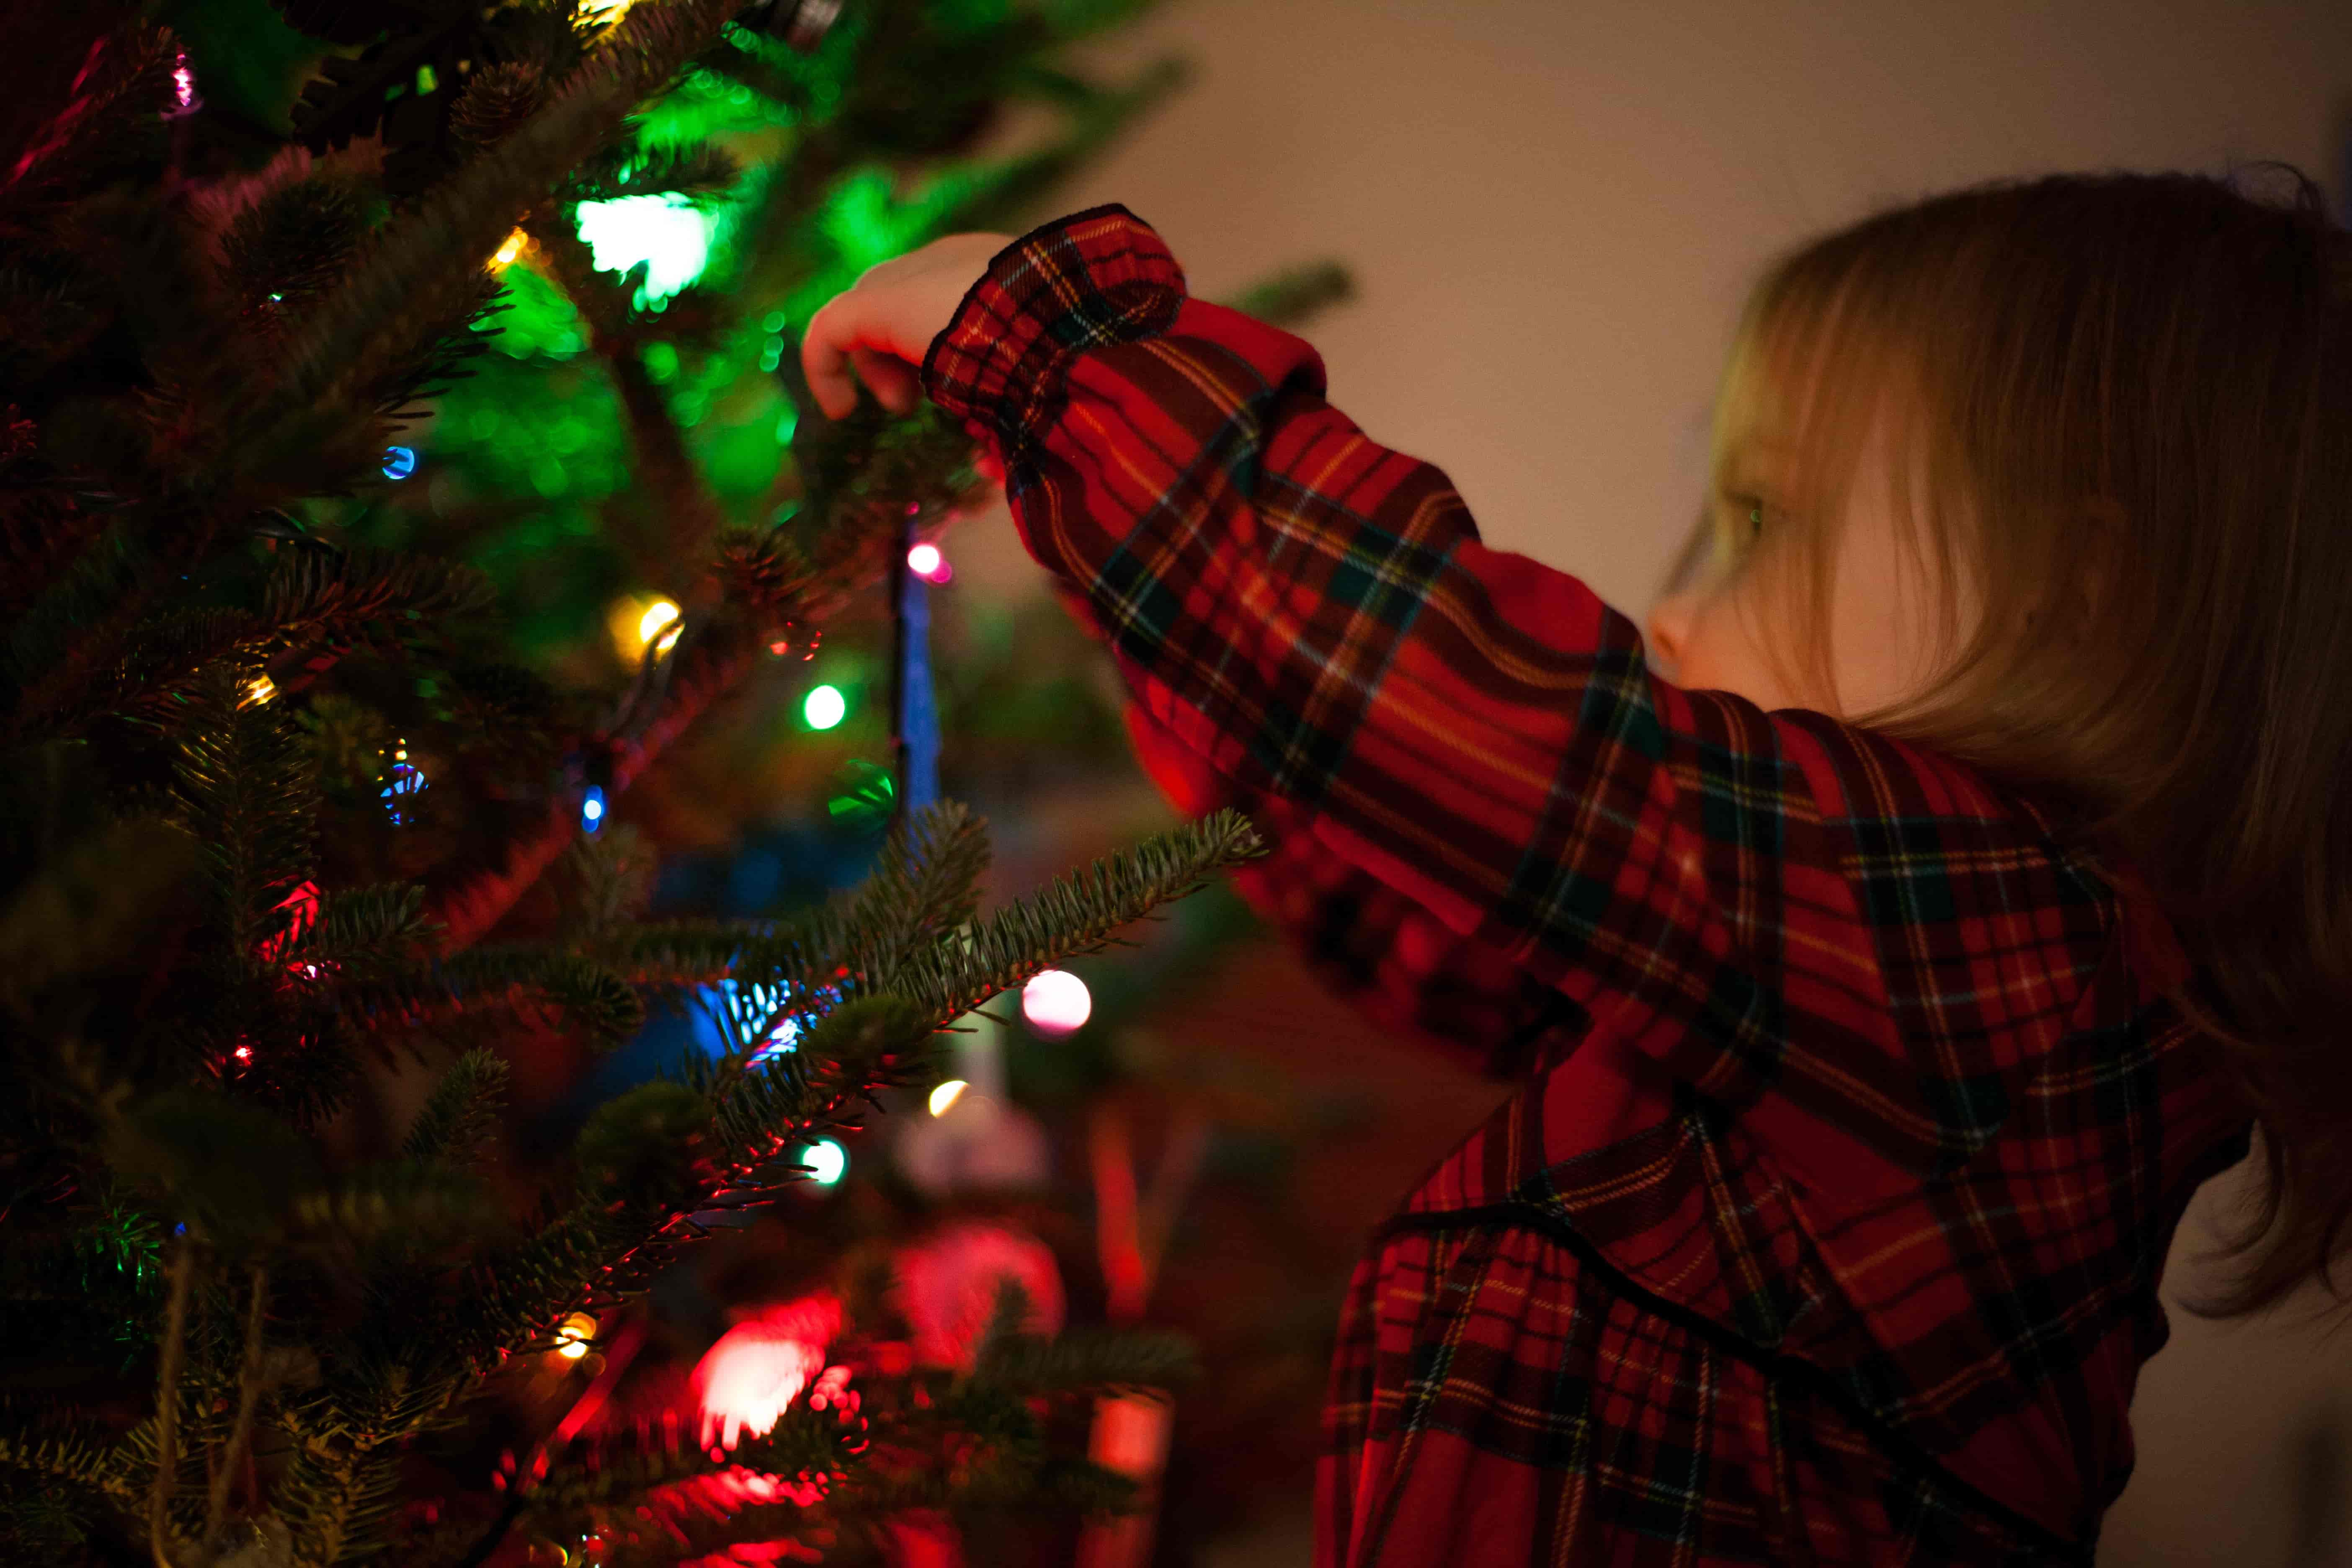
(824, 708)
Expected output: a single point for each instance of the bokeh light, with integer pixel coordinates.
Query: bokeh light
(923, 561)
(658, 614)
(591, 809)
(1056, 1001)
(572, 1335)
(666, 233)
(759, 1367)
(826, 1160)
(947, 1094)
(824, 706)
(640, 621)
(399, 462)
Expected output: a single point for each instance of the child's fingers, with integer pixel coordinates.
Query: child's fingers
(824, 358)
(844, 332)
(897, 385)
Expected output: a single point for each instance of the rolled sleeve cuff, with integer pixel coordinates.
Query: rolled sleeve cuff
(1092, 278)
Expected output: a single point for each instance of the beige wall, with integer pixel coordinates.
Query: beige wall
(1552, 210)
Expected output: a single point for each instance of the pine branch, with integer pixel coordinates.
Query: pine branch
(1110, 1358)
(545, 985)
(428, 260)
(707, 667)
(62, 1450)
(925, 884)
(678, 954)
(620, 1470)
(613, 880)
(1293, 296)
(336, 1498)
(700, 172)
(75, 84)
(66, 649)
(93, 898)
(1076, 915)
(361, 933)
(681, 502)
(509, 1297)
(461, 1112)
(412, 1206)
(249, 798)
(165, 650)
(323, 592)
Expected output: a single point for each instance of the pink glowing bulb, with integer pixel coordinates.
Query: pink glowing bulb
(759, 1366)
(1056, 1001)
(924, 561)
(183, 82)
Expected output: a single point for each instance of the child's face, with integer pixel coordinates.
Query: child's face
(1706, 637)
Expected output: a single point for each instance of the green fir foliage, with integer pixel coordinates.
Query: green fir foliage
(308, 671)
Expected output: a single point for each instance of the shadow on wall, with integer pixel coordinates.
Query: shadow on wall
(2322, 1448)
(2243, 1428)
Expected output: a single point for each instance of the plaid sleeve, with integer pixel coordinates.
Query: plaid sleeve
(1369, 944)
(1858, 945)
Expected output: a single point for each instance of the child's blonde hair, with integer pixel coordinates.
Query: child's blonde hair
(2131, 394)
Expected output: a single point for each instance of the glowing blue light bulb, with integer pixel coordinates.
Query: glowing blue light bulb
(399, 462)
(591, 809)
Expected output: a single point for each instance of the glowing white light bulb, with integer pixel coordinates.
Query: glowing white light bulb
(572, 1338)
(827, 1160)
(1056, 1001)
(923, 560)
(947, 1094)
(665, 232)
(658, 614)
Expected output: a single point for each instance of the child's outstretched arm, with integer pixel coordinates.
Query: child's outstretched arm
(1857, 945)
(1369, 944)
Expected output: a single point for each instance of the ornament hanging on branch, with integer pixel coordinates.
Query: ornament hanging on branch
(914, 709)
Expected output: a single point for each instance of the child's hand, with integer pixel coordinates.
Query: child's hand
(884, 323)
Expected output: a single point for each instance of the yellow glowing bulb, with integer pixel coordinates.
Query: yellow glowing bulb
(947, 1094)
(604, 10)
(658, 614)
(572, 1338)
(512, 248)
(260, 690)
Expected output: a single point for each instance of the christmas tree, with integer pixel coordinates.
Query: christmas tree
(290, 812)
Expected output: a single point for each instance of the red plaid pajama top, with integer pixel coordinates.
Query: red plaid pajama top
(1827, 1226)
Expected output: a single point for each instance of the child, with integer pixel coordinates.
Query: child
(1868, 1070)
